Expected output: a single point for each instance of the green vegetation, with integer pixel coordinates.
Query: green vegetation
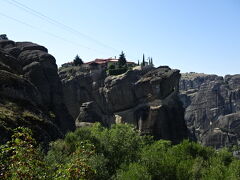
(122, 60)
(77, 61)
(116, 153)
(117, 71)
(112, 66)
(21, 159)
(121, 67)
(143, 61)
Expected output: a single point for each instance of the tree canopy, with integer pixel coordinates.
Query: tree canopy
(77, 61)
(118, 153)
(122, 59)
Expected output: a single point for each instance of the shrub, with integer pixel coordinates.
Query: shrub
(117, 71)
(112, 66)
(118, 152)
(120, 144)
(20, 159)
(77, 166)
(135, 171)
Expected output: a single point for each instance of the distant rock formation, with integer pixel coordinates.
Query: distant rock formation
(212, 108)
(31, 92)
(147, 98)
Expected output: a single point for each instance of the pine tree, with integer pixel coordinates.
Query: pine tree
(122, 60)
(77, 61)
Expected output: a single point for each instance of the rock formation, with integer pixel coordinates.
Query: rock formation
(212, 107)
(147, 98)
(31, 92)
(32, 95)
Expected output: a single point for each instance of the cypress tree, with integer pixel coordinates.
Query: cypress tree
(151, 61)
(143, 61)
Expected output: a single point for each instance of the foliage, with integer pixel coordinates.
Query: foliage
(76, 167)
(117, 71)
(112, 66)
(113, 147)
(20, 159)
(118, 152)
(135, 171)
(3, 37)
(143, 61)
(77, 61)
(122, 60)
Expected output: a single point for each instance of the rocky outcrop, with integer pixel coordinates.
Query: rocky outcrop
(212, 107)
(31, 92)
(147, 98)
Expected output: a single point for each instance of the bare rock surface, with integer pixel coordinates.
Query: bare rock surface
(147, 98)
(212, 105)
(31, 92)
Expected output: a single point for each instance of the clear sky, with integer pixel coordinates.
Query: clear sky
(190, 35)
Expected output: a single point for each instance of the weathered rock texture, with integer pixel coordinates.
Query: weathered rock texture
(212, 107)
(147, 98)
(31, 92)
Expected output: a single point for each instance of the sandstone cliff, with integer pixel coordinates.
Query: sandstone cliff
(147, 98)
(31, 92)
(212, 107)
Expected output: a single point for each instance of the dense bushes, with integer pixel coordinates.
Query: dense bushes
(110, 148)
(117, 71)
(116, 153)
(20, 158)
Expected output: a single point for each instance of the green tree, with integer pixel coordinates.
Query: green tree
(119, 152)
(122, 59)
(135, 171)
(143, 60)
(3, 37)
(77, 61)
(20, 158)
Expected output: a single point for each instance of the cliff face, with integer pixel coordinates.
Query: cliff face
(32, 95)
(31, 92)
(212, 107)
(147, 98)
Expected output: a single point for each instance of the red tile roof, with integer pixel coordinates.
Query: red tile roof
(104, 61)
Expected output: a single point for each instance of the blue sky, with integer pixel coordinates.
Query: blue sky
(190, 35)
